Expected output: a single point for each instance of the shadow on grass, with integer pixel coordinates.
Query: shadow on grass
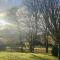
(37, 57)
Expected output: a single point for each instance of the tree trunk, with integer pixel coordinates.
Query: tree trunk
(31, 48)
(46, 45)
(21, 46)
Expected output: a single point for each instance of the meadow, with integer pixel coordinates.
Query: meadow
(25, 56)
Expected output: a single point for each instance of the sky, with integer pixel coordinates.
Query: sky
(6, 4)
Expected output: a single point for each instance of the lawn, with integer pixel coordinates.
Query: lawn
(25, 56)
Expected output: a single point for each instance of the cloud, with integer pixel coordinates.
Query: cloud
(6, 4)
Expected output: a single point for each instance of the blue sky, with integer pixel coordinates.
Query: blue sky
(5, 4)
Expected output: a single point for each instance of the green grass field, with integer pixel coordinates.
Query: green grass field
(25, 56)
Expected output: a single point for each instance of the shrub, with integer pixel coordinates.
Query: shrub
(55, 51)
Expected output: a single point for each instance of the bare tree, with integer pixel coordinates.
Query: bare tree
(51, 13)
(34, 7)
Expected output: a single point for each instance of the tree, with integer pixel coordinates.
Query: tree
(25, 18)
(34, 7)
(50, 10)
(51, 14)
(11, 14)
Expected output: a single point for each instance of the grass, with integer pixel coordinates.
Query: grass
(25, 56)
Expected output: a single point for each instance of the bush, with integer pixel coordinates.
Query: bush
(55, 51)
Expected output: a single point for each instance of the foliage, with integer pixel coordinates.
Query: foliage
(55, 51)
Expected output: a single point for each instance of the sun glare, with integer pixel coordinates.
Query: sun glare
(2, 22)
